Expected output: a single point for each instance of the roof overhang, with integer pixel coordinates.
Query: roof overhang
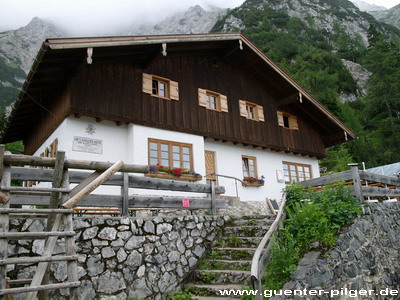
(59, 58)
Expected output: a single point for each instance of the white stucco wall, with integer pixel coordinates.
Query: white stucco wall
(130, 144)
(229, 162)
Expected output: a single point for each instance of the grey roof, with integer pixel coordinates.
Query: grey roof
(388, 170)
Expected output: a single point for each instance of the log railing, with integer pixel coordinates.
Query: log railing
(57, 172)
(364, 184)
(262, 255)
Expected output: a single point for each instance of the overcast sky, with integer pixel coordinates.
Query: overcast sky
(92, 15)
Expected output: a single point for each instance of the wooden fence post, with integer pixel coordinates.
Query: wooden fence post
(125, 194)
(213, 204)
(356, 182)
(4, 218)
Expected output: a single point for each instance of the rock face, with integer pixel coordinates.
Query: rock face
(20, 46)
(366, 257)
(360, 75)
(126, 258)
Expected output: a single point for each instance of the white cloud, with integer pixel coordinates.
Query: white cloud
(95, 15)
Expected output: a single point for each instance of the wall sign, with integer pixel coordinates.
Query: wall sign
(83, 144)
(185, 202)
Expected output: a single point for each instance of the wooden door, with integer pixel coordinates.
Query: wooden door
(210, 165)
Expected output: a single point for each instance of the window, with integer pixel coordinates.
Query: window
(287, 121)
(251, 111)
(170, 154)
(294, 172)
(160, 87)
(249, 166)
(212, 100)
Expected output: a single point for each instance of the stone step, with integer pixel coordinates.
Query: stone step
(246, 231)
(221, 264)
(252, 217)
(238, 241)
(251, 222)
(235, 253)
(214, 290)
(222, 277)
(211, 298)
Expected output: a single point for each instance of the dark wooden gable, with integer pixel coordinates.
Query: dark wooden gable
(111, 89)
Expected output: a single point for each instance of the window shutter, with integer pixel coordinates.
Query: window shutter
(224, 103)
(147, 83)
(202, 98)
(173, 90)
(280, 119)
(243, 111)
(260, 113)
(293, 123)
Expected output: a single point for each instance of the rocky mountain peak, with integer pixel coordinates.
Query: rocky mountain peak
(364, 6)
(194, 20)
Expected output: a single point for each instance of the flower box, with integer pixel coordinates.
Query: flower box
(256, 183)
(183, 177)
(253, 181)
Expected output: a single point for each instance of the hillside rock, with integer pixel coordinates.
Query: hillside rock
(360, 75)
(194, 20)
(21, 45)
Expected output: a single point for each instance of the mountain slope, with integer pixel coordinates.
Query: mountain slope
(390, 16)
(364, 6)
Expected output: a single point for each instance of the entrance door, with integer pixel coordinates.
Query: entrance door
(210, 165)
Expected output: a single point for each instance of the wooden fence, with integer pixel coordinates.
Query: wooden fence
(364, 184)
(57, 171)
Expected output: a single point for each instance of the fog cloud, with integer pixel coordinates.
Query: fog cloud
(95, 16)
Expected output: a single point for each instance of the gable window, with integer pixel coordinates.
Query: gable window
(170, 154)
(294, 172)
(212, 100)
(251, 111)
(249, 166)
(287, 121)
(160, 87)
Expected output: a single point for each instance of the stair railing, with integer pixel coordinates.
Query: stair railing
(229, 177)
(262, 255)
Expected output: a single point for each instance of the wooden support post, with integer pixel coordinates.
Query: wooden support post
(4, 219)
(48, 251)
(74, 292)
(54, 202)
(125, 195)
(213, 203)
(93, 185)
(356, 182)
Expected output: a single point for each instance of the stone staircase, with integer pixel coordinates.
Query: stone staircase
(227, 266)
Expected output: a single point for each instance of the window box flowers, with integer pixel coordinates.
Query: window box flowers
(253, 181)
(164, 172)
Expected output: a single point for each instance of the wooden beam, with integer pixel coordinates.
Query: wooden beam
(93, 185)
(36, 288)
(37, 259)
(4, 225)
(34, 235)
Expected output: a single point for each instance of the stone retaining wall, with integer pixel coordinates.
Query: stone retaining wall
(366, 256)
(123, 257)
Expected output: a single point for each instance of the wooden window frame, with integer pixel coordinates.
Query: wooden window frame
(253, 158)
(297, 173)
(221, 100)
(170, 152)
(217, 100)
(245, 106)
(171, 87)
(292, 120)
